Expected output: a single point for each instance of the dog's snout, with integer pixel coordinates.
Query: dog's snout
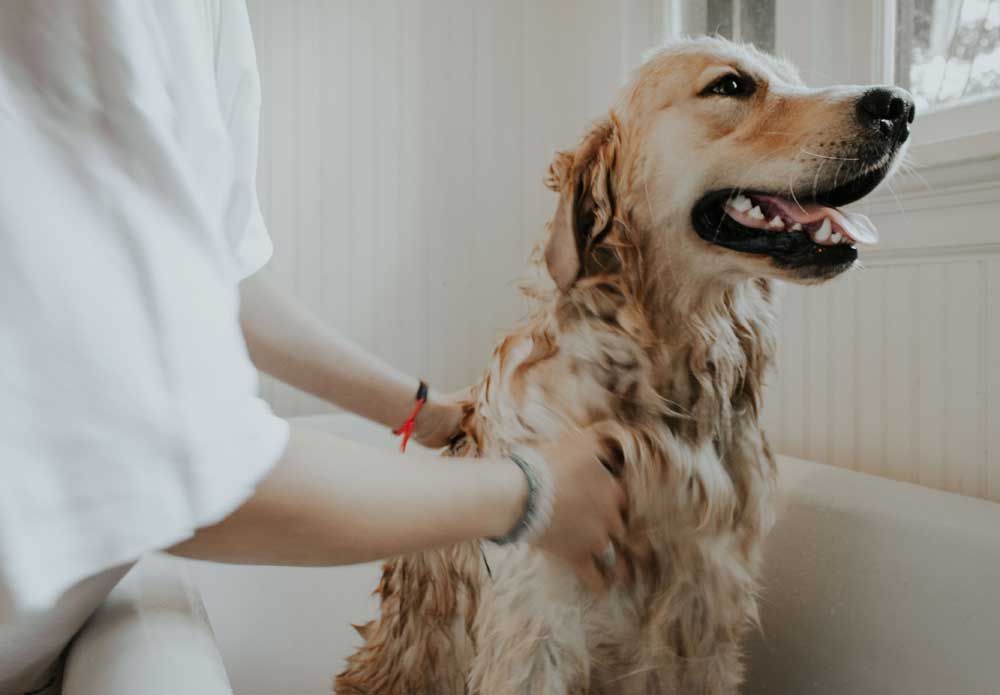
(890, 110)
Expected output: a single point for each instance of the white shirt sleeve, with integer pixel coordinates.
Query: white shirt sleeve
(238, 85)
(128, 407)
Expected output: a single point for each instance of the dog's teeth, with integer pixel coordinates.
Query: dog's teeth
(796, 227)
(837, 237)
(741, 203)
(776, 223)
(755, 213)
(823, 233)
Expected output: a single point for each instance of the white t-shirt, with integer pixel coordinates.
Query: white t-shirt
(128, 215)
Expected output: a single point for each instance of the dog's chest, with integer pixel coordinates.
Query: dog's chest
(698, 480)
(677, 483)
(535, 390)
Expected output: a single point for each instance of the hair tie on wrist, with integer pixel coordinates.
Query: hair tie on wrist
(406, 429)
(537, 514)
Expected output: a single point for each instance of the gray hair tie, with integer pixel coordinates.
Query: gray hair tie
(537, 514)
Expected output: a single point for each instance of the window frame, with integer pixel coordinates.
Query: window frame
(963, 122)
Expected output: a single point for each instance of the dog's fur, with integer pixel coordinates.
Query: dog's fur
(662, 339)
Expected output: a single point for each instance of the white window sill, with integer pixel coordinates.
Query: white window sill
(961, 132)
(962, 148)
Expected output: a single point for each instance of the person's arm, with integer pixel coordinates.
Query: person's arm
(288, 342)
(333, 502)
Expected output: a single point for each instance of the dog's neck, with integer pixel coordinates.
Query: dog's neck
(708, 342)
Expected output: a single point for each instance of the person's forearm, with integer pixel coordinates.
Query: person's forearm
(333, 502)
(291, 344)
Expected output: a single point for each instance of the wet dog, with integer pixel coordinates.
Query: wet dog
(715, 173)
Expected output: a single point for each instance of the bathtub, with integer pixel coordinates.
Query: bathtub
(872, 587)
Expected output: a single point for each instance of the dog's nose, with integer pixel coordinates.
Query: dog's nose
(890, 110)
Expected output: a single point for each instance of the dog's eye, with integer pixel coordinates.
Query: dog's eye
(731, 85)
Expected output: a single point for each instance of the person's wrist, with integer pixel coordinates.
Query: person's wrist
(536, 514)
(439, 420)
(428, 413)
(428, 417)
(511, 489)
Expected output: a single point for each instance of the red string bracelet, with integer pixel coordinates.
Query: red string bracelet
(406, 429)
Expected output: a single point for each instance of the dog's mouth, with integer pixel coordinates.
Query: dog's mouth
(809, 234)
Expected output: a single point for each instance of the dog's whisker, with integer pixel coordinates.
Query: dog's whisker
(740, 184)
(899, 203)
(791, 190)
(649, 207)
(909, 169)
(819, 170)
(837, 175)
(826, 156)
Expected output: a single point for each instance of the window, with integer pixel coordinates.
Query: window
(751, 21)
(947, 50)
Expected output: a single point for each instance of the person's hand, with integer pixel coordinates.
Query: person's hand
(589, 508)
(440, 418)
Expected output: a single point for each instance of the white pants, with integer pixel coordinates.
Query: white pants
(31, 644)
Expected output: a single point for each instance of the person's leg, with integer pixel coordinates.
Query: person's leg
(31, 644)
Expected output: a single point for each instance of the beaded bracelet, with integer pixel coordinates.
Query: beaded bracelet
(537, 514)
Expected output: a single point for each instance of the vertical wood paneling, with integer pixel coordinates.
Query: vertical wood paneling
(962, 378)
(390, 266)
(899, 376)
(363, 272)
(447, 86)
(818, 357)
(791, 356)
(841, 381)
(336, 238)
(869, 348)
(900, 360)
(403, 150)
(308, 193)
(930, 375)
(496, 174)
(411, 250)
(991, 351)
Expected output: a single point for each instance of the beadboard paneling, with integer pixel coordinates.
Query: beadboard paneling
(991, 353)
(403, 148)
(893, 369)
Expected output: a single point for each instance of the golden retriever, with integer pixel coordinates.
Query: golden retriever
(715, 173)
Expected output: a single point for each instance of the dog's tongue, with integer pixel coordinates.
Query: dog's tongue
(852, 224)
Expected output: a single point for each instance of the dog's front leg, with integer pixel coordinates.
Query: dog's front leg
(530, 636)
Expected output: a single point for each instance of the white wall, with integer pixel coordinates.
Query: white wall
(403, 148)
(895, 368)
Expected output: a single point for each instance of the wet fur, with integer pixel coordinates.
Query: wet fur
(699, 487)
(665, 348)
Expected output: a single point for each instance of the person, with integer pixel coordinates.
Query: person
(133, 317)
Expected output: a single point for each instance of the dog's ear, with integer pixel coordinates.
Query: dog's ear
(586, 202)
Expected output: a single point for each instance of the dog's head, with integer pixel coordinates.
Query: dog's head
(717, 160)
